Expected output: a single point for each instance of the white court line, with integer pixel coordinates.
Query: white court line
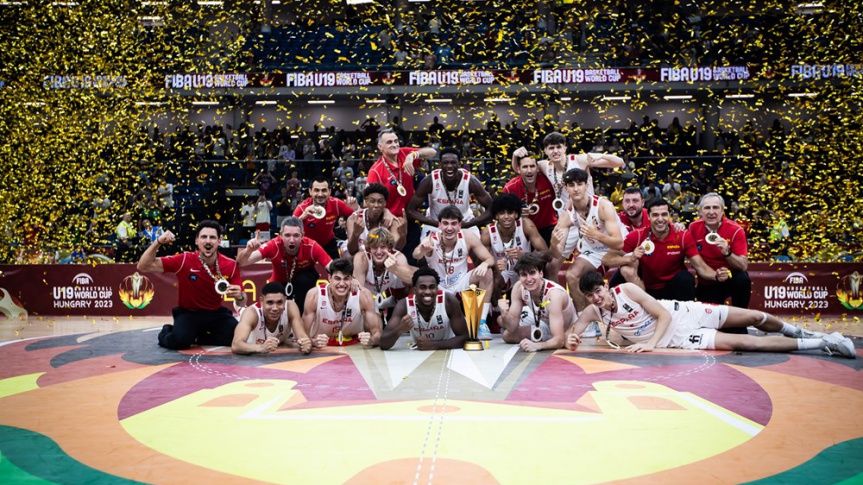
(738, 423)
(449, 417)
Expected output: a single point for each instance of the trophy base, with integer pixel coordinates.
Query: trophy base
(473, 345)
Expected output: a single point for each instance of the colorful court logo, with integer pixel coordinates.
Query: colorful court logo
(136, 291)
(11, 307)
(849, 293)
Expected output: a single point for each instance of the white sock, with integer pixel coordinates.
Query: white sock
(810, 343)
(789, 330)
(485, 309)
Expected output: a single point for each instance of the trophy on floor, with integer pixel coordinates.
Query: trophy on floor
(472, 299)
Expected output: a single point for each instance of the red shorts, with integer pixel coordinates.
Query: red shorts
(262, 226)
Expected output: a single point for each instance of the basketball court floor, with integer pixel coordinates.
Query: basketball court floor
(97, 401)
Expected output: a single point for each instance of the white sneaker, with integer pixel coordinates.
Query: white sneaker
(484, 333)
(592, 330)
(836, 343)
(803, 333)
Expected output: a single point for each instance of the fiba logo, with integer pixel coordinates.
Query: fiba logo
(82, 279)
(796, 279)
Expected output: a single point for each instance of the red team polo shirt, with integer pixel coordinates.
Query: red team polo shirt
(728, 229)
(667, 258)
(195, 288)
(378, 174)
(543, 196)
(310, 253)
(321, 230)
(624, 218)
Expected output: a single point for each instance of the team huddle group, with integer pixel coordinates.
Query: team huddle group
(516, 243)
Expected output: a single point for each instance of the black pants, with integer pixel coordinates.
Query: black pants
(303, 282)
(332, 248)
(545, 232)
(738, 288)
(681, 287)
(202, 327)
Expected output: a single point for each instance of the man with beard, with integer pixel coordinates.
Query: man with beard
(433, 317)
(447, 253)
(450, 185)
(508, 238)
(203, 277)
(541, 312)
(382, 269)
(374, 214)
(535, 193)
(597, 225)
(655, 258)
(337, 314)
(269, 323)
(652, 324)
(634, 215)
(320, 212)
(292, 255)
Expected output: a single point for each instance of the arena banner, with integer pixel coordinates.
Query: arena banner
(804, 289)
(101, 290)
(455, 77)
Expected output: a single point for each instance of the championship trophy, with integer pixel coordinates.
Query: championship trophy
(472, 300)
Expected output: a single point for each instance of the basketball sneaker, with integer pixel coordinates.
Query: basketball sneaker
(836, 343)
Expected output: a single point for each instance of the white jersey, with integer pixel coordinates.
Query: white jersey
(587, 245)
(499, 247)
(555, 176)
(440, 198)
(632, 321)
(328, 321)
(530, 311)
(383, 282)
(260, 333)
(437, 328)
(452, 265)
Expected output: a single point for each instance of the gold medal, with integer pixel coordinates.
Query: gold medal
(533, 208)
(558, 204)
(713, 238)
(648, 247)
(402, 190)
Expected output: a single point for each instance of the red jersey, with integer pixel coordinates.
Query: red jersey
(379, 174)
(544, 195)
(730, 231)
(321, 230)
(310, 252)
(195, 288)
(668, 256)
(624, 218)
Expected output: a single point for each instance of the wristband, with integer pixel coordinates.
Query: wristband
(727, 254)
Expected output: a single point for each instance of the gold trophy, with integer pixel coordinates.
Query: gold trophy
(472, 300)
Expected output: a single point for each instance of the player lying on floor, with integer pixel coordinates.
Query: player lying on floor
(651, 323)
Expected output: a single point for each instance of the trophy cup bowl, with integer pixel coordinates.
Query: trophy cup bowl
(472, 300)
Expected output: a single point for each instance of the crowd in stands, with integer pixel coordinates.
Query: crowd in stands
(614, 34)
